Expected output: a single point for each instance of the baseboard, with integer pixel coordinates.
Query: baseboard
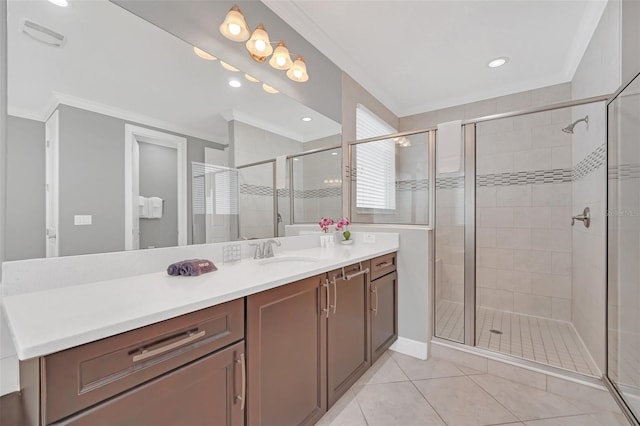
(410, 347)
(9, 381)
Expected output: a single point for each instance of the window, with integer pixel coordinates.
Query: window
(214, 189)
(375, 163)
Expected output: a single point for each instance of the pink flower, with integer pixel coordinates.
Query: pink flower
(325, 223)
(343, 223)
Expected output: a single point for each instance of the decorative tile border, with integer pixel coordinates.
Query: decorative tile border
(535, 177)
(624, 172)
(590, 163)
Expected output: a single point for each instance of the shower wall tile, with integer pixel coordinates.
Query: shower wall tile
(532, 217)
(515, 238)
(552, 195)
(535, 159)
(495, 258)
(486, 237)
(561, 157)
(514, 195)
(496, 217)
(496, 299)
(531, 260)
(486, 196)
(561, 263)
(561, 309)
(529, 304)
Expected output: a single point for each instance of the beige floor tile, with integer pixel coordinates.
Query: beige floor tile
(389, 404)
(385, 370)
(418, 369)
(606, 419)
(469, 371)
(461, 402)
(526, 402)
(345, 412)
(599, 398)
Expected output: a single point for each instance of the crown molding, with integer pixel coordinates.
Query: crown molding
(590, 21)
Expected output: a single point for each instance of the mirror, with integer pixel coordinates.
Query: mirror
(102, 104)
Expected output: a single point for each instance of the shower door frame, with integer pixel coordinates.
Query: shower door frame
(610, 384)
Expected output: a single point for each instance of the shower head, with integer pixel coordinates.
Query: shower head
(569, 128)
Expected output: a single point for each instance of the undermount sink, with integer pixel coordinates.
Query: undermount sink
(288, 259)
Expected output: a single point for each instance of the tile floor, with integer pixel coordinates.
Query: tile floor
(544, 340)
(404, 391)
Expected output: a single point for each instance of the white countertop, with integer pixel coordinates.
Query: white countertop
(49, 321)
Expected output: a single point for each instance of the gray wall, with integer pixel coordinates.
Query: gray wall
(3, 126)
(25, 210)
(158, 170)
(91, 183)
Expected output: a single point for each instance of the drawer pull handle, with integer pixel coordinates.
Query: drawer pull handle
(350, 276)
(243, 392)
(144, 353)
(384, 264)
(374, 290)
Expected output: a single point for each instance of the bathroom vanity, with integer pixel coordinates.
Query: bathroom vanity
(282, 352)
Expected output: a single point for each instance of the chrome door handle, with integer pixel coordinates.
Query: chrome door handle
(585, 218)
(326, 285)
(374, 291)
(243, 392)
(335, 295)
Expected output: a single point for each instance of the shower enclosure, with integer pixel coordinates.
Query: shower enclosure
(517, 271)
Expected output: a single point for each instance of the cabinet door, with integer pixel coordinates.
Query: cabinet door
(286, 347)
(347, 331)
(205, 392)
(384, 314)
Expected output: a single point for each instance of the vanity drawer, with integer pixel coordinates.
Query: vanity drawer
(381, 266)
(80, 377)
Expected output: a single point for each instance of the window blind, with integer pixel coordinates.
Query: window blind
(375, 163)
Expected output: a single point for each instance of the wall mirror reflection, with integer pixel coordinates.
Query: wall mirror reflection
(112, 148)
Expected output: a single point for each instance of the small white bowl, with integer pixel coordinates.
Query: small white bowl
(346, 242)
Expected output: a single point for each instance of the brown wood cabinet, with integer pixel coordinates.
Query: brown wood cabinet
(138, 364)
(348, 355)
(286, 354)
(383, 289)
(202, 393)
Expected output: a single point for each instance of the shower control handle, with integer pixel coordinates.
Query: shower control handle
(585, 218)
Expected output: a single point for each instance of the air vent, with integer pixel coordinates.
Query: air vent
(42, 34)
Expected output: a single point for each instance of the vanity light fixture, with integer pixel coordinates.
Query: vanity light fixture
(235, 83)
(281, 59)
(298, 71)
(228, 67)
(204, 55)
(251, 78)
(498, 62)
(61, 3)
(234, 27)
(269, 89)
(259, 45)
(306, 119)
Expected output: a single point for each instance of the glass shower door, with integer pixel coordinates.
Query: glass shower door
(623, 223)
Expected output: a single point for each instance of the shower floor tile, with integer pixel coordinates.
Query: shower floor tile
(538, 339)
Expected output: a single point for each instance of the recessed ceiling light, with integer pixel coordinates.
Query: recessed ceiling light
(306, 119)
(228, 67)
(269, 89)
(235, 83)
(334, 153)
(201, 53)
(498, 62)
(295, 159)
(61, 3)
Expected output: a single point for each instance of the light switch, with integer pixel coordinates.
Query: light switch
(82, 219)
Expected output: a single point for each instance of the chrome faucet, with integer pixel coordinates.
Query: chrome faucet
(265, 249)
(268, 247)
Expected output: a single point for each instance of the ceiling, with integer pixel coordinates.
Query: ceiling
(115, 62)
(417, 56)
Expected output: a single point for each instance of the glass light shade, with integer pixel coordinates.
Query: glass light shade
(203, 54)
(259, 44)
(298, 71)
(61, 3)
(228, 67)
(281, 59)
(251, 78)
(234, 26)
(269, 89)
